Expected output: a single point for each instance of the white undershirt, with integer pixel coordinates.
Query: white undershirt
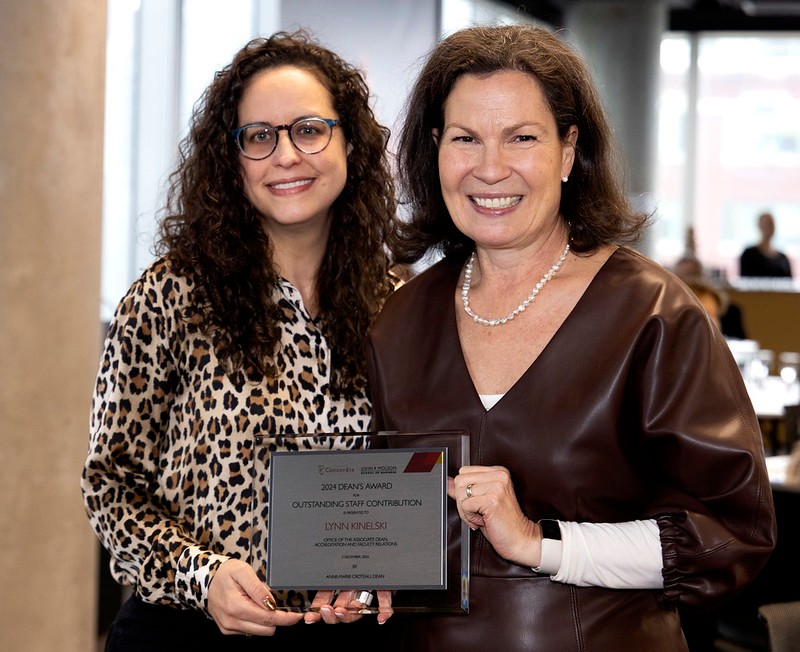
(490, 400)
(611, 555)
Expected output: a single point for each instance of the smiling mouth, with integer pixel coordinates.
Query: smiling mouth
(291, 184)
(496, 203)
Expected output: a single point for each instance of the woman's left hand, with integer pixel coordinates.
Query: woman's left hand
(486, 501)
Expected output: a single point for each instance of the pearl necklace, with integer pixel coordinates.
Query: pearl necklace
(521, 307)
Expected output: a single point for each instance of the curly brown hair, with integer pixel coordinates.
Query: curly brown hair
(593, 202)
(212, 233)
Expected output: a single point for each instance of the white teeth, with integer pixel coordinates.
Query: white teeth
(497, 202)
(291, 184)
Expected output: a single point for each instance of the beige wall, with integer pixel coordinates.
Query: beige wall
(771, 318)
(51, 125)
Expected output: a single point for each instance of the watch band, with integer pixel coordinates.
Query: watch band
(551, 547)
(550, 529)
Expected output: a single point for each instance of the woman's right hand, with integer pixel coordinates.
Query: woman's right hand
(343, 606)
(240, 603)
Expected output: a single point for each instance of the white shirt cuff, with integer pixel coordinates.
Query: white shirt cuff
(611, 555)
(551, 556)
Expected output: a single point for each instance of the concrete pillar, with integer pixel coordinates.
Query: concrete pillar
(621, 39)
(52, 56)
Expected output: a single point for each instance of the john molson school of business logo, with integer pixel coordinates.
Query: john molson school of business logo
(420, 462)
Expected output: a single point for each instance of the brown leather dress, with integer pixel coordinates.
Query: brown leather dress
(634, 410)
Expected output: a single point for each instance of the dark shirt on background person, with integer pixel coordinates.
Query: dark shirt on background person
(731, 322)
(754, 262)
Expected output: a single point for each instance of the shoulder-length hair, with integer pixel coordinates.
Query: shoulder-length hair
(593, 201)
(213, 233)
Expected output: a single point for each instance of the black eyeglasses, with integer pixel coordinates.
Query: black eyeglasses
(309, 135)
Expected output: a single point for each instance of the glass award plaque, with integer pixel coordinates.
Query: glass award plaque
(362, 511)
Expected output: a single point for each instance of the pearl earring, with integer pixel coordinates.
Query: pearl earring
(564, 179)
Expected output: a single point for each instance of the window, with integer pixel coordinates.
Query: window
(160, 56)
(729, 145)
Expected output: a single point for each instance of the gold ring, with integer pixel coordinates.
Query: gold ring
(469, 491)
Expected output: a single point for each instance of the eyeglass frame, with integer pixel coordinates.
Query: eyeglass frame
(236, 133)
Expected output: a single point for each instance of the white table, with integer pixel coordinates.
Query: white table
(776, 468)
(770, 396)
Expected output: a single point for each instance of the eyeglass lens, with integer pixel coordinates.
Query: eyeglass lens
(310, 136)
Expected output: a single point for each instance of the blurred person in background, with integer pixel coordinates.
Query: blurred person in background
(762, 259)
(728, 315)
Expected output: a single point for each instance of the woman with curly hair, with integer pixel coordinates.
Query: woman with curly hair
(251, 323)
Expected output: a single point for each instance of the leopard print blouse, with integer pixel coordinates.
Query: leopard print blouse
(170, 474)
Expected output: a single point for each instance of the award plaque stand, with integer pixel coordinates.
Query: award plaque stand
(363, 511)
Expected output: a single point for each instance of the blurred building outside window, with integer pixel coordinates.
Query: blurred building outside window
(729, 145)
